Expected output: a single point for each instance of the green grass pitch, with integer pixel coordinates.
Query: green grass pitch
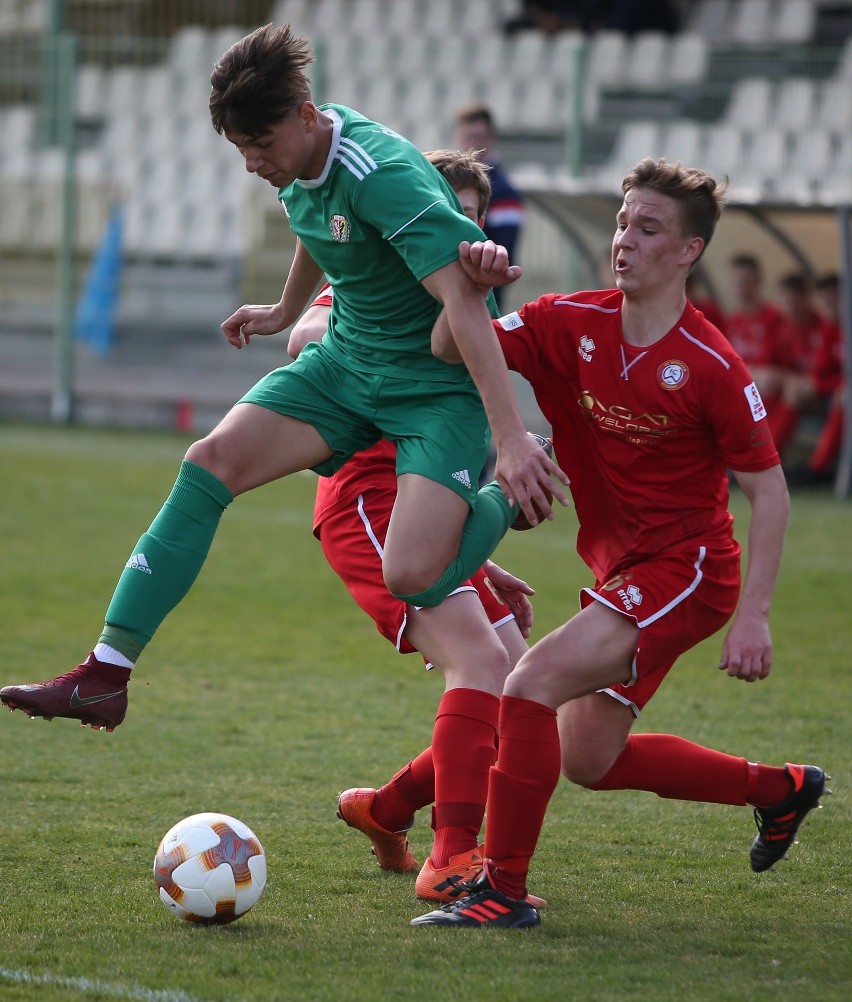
(267, 692)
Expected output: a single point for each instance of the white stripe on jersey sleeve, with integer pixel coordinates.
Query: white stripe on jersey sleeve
(706, 347)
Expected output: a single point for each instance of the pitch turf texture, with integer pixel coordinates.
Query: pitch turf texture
(267, 692)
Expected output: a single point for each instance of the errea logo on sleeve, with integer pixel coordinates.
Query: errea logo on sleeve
(752, 395)
(511, 321)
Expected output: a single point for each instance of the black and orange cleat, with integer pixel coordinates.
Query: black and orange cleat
(391, 849)
(448, 883)
(483, 905)
(93, 693)
(777, 826)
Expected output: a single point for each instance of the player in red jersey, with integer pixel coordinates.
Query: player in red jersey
(650, 406)
(473, 638)
(826, 381)
(802, 334)
(752, 328)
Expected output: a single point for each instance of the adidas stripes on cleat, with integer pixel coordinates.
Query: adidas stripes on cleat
(93, 693)
(391, 849)
(453, 881)
(777, 826)
(482, 906)
(446, 883)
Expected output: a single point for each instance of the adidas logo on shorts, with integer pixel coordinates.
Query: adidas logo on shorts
(463, 477)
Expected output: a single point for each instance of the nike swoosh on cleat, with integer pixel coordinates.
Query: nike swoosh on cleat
(77, 700)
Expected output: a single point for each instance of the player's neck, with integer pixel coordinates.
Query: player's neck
(644, 321)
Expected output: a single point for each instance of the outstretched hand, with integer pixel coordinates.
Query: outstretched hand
(249, 320)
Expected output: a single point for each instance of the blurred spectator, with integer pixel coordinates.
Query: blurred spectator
(548, 16)
(699, 294)
(828, 384)
(752, 327)
(474, 129)
(801, 334)
(629, 16)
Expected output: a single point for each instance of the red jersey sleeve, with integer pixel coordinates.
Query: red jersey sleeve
(324, 297)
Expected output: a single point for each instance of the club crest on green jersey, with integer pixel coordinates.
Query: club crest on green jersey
(340, 229)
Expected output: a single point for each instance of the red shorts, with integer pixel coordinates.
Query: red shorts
(353, 540)
(677, 600)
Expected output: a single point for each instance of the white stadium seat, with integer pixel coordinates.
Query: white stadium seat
(750, 102)
(793, 21)
(751, 22)
(794, 103)
(687, 59)
(681, 140)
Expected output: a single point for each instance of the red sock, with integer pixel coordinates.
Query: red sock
(783, 420)
(828, 444)
(410, 789)
(520, 789)
(677, 769)
(464, 747)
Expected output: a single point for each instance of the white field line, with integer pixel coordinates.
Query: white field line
(84, 985)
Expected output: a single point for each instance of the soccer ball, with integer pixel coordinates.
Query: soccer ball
(210, 868)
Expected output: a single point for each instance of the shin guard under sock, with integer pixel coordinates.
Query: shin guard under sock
(166, 560)
(464, 747)
(520, 787)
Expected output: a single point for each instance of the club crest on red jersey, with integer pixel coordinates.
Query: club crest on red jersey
(672, 375)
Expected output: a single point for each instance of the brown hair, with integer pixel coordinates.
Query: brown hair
(700, 196)
(260, 80)
(475, 112)
(463, 170)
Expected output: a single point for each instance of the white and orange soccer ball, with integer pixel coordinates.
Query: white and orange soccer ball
(210, 868)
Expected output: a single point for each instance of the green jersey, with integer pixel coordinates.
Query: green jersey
(377, 220)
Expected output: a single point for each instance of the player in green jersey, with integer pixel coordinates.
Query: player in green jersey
(374, 216)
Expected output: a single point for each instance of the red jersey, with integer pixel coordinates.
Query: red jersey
(800, 342)
(754, 336)
(827, 368)
(645, 434)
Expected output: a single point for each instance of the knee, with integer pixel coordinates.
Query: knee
(415, 584)
(202, 453)
(586, 769)
(209, 454)
(407, 581)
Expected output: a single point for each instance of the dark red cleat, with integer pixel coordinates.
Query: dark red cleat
(93, 693)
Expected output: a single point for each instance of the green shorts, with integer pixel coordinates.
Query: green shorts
(440, 429)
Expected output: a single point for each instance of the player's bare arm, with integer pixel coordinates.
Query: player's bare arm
(747, 649)
(311, 326)
(302, 282)
(523, 470)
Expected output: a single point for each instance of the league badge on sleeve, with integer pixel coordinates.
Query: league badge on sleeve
(752, 395)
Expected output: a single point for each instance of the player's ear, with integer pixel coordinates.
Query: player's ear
(692, 250)
(308, 114)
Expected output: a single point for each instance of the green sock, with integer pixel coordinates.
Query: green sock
(486, 525)
(166, 560)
